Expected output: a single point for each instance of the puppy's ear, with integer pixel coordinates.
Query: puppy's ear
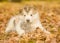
(20, 10)
(34, 7)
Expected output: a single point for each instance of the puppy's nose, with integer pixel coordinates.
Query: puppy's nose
(28, 20)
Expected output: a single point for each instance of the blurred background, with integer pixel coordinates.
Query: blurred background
(24, 0)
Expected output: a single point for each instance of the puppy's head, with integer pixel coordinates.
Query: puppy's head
(29, 14)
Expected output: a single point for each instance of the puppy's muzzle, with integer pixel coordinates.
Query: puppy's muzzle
(28, 20)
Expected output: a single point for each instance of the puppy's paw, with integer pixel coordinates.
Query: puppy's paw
(21, 32)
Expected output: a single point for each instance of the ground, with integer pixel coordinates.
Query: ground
(50, 18)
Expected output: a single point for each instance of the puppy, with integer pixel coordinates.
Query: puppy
(26, 21)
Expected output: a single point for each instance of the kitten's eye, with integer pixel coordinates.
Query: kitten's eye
(24, 15)
(31, 14)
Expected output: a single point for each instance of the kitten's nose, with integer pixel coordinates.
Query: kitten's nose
(28, 20)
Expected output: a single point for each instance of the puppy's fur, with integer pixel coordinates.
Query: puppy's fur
(27, 21)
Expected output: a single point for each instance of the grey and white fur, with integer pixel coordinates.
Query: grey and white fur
(26, 21)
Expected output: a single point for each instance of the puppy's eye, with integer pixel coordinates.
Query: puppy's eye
(31, 14)
(24, 15)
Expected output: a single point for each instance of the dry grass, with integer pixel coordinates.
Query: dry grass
(50, 18)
